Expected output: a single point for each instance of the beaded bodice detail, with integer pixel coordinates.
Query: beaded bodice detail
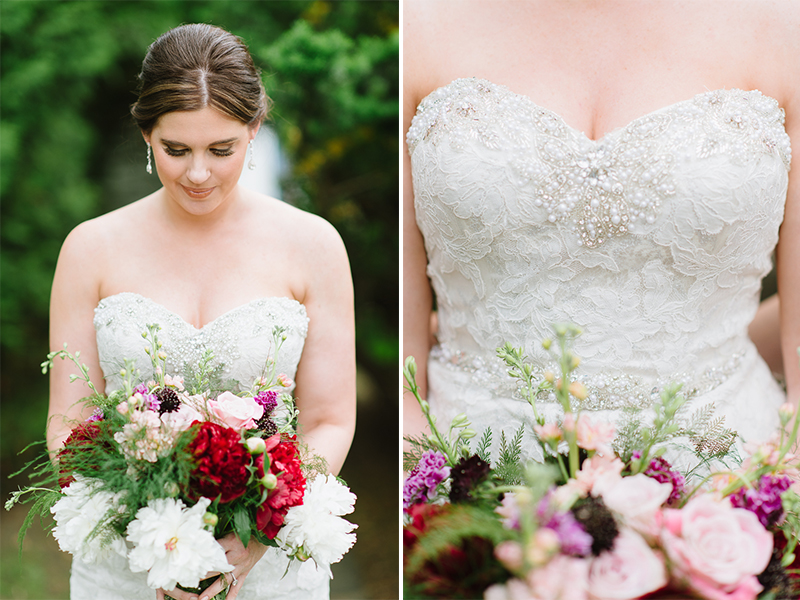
(241, 339)
(653, 239)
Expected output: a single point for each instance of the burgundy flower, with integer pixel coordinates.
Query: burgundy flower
(87, 437)
(222, 461)
(285, 465)
(465, 477)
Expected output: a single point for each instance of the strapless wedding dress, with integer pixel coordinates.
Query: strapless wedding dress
(241, 340)
(653, 240)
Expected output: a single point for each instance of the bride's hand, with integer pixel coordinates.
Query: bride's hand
(243, 560)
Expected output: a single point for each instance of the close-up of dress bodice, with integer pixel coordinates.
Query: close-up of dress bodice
(653, 239)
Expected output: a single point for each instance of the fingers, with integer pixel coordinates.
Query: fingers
(222, 583)
(236, 585)
(176, 594)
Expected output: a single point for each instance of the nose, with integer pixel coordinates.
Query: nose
(198, 170)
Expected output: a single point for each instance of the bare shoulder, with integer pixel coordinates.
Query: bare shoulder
(775, 47)
(307, 234)
(422, 20)
(91, 247)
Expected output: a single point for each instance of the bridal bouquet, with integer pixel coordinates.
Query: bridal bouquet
(165, 467)
(605, 516)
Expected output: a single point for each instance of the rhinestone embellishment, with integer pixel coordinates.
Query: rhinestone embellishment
(598, 189)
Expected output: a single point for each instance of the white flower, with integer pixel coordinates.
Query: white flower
(172, 544)
(317, 525)
(77, 514)
(638, 499)
(181, 419)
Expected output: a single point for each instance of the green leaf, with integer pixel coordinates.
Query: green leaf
(241, 524)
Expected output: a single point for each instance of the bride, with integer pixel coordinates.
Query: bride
(623, 166)
(217, 267)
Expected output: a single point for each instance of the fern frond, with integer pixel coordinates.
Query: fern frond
(484, 445)
(509, 467)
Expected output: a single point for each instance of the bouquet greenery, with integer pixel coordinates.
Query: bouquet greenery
(165, 467)
(605, 515)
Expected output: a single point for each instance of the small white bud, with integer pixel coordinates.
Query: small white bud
(255, 445)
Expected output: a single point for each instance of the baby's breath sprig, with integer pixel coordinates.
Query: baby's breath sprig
(456, 443)
(83, 370)
(519, 369)
(269, 375)
(157, 356)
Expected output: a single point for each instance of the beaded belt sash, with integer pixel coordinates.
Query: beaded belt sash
(606, 391)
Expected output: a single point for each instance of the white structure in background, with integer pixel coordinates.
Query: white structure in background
(265, 178)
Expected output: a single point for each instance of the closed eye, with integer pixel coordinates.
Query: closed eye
(222, 151)
(175, 151)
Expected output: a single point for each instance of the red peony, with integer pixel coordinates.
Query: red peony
(285, 465)
(82, 439)
(222, 461)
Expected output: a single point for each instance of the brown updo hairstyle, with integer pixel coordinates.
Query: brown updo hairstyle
(195, 66)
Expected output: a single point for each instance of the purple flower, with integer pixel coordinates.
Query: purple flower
(268, 399)
(660, 470)
(764, 498)
(573, 537)
(571, 534)
(423, 480)
(141, 389)
(97, 415)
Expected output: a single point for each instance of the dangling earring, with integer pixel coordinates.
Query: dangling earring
(251, 164)
(149, 167)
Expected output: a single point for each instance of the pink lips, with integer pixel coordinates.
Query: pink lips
(196, 193)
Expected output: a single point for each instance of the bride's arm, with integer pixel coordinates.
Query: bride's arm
(74, 296)
(789, 244)
(417, 294)
(326, 375)
(765, 331)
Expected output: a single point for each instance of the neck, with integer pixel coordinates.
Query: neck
(179, 219)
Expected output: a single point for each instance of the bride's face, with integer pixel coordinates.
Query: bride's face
(199, 156)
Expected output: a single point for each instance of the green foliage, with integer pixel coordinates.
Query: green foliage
(509, 462)
(484, 445)
(456, 544)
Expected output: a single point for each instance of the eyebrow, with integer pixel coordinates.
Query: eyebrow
(219, 143)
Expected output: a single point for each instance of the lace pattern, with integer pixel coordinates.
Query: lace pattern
(652, 239)
(241, 339)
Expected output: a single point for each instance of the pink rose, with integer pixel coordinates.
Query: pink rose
(563, 578)
(629, 570)
(637, 499)
(594, 437)
(716, 549)
(595, 467)
(235, 411)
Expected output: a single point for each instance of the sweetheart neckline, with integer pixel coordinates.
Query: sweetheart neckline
(607, 134)
(212, 321)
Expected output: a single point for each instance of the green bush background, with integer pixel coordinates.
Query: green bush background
(68, 76)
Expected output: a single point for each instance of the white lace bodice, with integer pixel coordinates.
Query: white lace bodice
(242, 341)
(653, 239)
